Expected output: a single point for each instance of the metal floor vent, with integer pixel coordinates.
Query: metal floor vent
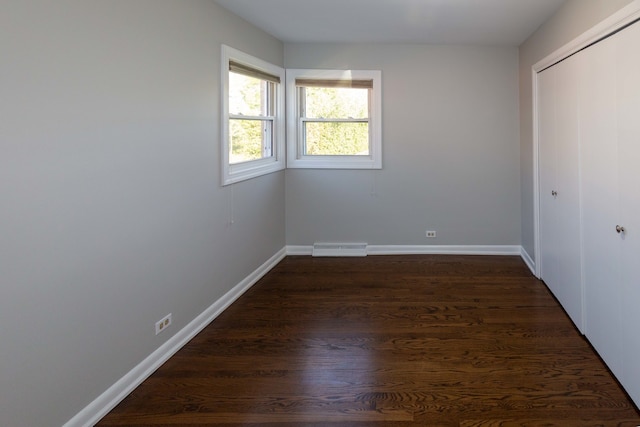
(339, 249)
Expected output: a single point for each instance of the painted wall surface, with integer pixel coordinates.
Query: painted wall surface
(571, 20)
(112, 214)
(450, 151)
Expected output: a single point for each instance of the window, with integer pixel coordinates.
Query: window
(334, 119)
(253, 129)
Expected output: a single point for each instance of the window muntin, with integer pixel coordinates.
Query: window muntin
(334, 119)
(253, 119)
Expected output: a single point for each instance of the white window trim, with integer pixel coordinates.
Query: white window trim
(295, 153)
(232, 173)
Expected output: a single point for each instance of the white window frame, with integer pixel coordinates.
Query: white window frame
(296, 157)
(232, 173)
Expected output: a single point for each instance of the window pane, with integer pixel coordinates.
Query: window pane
(336, 139)
(336, 103)
(249, 140)
(247, 95)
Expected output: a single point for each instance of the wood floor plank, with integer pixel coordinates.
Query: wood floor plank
(386, 341)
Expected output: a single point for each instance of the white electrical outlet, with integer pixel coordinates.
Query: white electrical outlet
(162, 324)
(431, 233)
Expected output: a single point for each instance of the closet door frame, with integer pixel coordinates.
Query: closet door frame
(614, 23)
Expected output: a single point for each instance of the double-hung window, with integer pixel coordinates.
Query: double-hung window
(253, 129)
(333, 119)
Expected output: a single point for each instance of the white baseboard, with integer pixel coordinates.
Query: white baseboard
(299, 250)
(443, 250)
(104, 403)
(424, 250)
(528, 260)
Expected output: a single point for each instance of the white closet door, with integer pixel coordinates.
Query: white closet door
(547, 165)
(628, 95)
(559, 185)
(569, 289)
(599, 166)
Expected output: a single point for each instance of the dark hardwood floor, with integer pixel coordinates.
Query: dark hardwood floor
(386, 341)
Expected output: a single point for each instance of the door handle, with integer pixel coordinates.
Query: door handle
(620, 229)
(554, 193)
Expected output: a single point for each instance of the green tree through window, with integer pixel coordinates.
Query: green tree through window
(248, 104)
(336, 121)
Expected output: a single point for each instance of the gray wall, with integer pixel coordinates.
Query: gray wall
(571, 20)
(450, 147)
(112, 214)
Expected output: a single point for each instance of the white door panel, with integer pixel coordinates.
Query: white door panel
(547, 161)
(569, 289)
(598, 123)
(559, 168)
(628, 97)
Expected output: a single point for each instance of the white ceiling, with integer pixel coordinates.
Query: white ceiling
(476, 22)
